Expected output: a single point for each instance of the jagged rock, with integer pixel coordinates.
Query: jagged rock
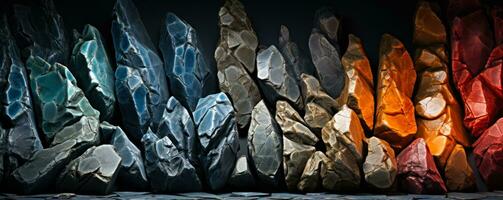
(94, 172)
(242, 177)
(458, 173)
(276, 78)
(91, 67)
(317, 173)
(293, 55)
(360, 89)
(84, 125)
(132, 175)
(295, 156)
(380, 165)
(190, 77)
(313, 93)
(417, 172)
(316, 116)
(3, 151)
(21, 136)
(235, 54)
(140, 82)
(168, 169)
(329, 24)
(395, 121)
(40, 172)
(39, 31)
(58, 99)
(216, 126)
(488, 151)
(265, 146)
(292, 125)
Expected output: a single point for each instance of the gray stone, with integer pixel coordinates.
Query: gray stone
(293, 55)
(81, 127)
(295, 156)
(94, 172)
(242, 178)
(292, 125)
(329, 24)
(190, 77)
(91, 67)
(218, 136)
(3, 151)
(140, 82)
(380, 165)
(312, 92)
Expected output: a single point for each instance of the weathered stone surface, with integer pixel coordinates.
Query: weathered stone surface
(3, 151)
(417, 172)
(132, 175)
(277, 78)
(94, 172)
(380, 165)
(360, 88)
(458, 173)
(242, 177)
(312, 92)
(190, 77)
(168, 169)
(17, 113)
(293, 55)
(292, 125)
(81, 127)
(265, 146)
(235, 55)
(395, 121)
(295, 156)
(91, 67)
(488, 151)
(60, 103)
(316, 116)
(329, 24)
(140, 82)
(216, 126)
(319, 172)
(39, 31)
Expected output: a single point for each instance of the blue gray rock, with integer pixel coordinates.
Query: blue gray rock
(94, 172)
(22, 137)
(39, 31)
(132, 175)
(190, 77)
(168, 169)
(91, 67)
(3, 151)
(216, 126)
(242, 178)
(300, 62)
(140, 82)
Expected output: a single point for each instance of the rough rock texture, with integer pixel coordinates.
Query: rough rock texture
(319, 172)
(316, 116)
(295, 156)
(91, 67)
(265, 146)
(94, 172)
(190, 77)
(458, 173)
(488, 155)
(242, 178)
(235, 56)
(395, 121)
(417, 172)
(292, 125)
(293, 55)
(329, 24)
(3, 152)
(60, 103)
(360, 88)
(39, 31)
(140, 83)
(132, 175)
(217, 129)
(380, 165)
(168, 169)
(20, 140)
(277, 78)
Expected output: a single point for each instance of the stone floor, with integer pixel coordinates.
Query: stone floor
(259, 195)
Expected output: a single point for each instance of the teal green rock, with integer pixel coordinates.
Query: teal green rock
(91, 67)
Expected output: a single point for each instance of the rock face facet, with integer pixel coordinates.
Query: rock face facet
(458, 173)
(380, 165)
(395, 121)
(295, 156)
(242, 177)
(417, 172)
(217, 129)
(293, 55)
(190, 77)
(91, 67)
(235, 56)
(488, 155)
(140, 81)
(94, 172)
(319, 172)
(292, 125)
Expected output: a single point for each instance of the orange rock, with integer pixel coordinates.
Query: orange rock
(458, 173)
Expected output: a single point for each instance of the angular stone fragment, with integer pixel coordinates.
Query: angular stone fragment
(265, 146)
(140, 81)
(417, 172)
(17, 113)
(94, 172)
(293, 55)
(91, 67)
(39, 31)
(276, 78)
(132, 175)
(216, 126)
(58, 99)
(295, 156)
(84, 125)
(316, 116)
(329, 24)
(292, 125)
(360, 89)
(395, 120)
(380, 165)
(319, 171)
(242, 177)
(458, 173)
(235, 55)
(313, 93)
(168, 169)
(190, 77)
(488, 150)
(3, 151)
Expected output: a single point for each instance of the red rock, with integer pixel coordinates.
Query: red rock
(488, 152)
